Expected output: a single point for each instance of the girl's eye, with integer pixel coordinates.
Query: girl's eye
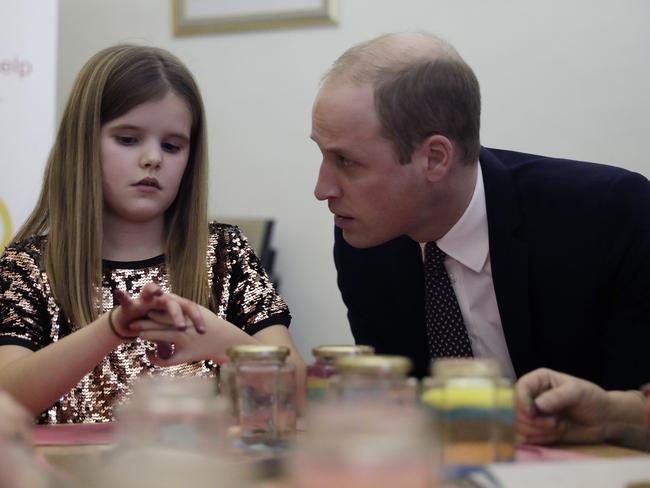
(126, 140)
(170, 148)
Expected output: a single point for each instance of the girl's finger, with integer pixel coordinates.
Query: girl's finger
(166, 335)
(160, 317)
(145, 324)
(122, 297)
(175, 312)
(193, 311)
(150, 291)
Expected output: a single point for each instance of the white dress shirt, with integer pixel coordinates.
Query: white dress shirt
(468, 264)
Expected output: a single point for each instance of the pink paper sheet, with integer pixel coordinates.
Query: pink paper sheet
(77, 434)
(530, 453)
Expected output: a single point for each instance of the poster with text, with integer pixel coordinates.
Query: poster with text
(28, 53)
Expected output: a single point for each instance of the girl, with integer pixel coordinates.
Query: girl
(86, 285)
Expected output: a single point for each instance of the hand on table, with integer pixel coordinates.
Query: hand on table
(556, 407)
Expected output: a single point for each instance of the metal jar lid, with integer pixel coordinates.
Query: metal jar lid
(333, 352)
(257, 352)
(465, 368)
(374, 365)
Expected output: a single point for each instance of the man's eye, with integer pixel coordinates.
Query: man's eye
(343, 162)
(170, 148)
(126, 140)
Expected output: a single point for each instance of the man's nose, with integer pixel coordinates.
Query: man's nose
(326, 186)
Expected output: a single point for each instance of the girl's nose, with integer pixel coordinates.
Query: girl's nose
(151, 158)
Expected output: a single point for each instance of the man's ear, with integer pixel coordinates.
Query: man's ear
(438, 153)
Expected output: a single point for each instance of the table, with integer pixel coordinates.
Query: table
(71, 448)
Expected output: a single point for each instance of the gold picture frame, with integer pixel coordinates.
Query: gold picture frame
(192, 17)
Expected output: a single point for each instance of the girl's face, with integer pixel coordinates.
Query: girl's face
(144, 154)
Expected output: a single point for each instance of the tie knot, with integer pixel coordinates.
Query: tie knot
(433, 254)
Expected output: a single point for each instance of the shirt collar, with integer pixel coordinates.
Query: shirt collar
(467, 241)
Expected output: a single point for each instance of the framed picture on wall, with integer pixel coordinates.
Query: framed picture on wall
(207, 16)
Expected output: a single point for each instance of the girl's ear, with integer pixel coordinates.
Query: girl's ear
(438, 153)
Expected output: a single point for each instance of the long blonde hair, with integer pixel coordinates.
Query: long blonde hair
(69, 209)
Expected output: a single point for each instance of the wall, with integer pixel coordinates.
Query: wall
(28, 32)
(563, 78)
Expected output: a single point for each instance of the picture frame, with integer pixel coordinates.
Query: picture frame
(195, 17)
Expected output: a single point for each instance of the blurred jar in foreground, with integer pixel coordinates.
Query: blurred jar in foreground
(262, 388)
(365, 445)
(320, 371)
(180, 413)
(19, 468)
(172, 432)
(377, 377)
(505, 419)
(164, 467)
(472, 406)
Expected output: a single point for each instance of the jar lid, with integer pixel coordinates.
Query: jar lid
(380, 364)
(257, 352)
(465, 367)
(331, 352)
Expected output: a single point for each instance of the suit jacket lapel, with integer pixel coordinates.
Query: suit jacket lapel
(509, 259)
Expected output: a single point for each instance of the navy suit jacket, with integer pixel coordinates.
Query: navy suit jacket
(570, 255)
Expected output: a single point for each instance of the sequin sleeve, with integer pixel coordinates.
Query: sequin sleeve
(24, 320)
(247, 294)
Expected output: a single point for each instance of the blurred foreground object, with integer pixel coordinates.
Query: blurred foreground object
(324, 367)
(365, 445)
(472, 406)
(19, 467)
(180, 413)
(171, 433)
(374, 378)
(15, 422)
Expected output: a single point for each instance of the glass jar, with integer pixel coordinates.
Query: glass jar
(171, 432)
(473, 408)
(354, 446)
(262, 386)
(378, 377)
(179, 413)
(505, 418)
(320, 371)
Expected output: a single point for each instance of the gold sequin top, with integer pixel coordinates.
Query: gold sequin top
(30, 316)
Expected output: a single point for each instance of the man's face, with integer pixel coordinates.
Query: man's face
(372, 196)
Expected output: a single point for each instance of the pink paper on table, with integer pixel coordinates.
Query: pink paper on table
(79, 434)
(530, 453)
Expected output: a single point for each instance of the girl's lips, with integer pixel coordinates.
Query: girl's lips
(148, 182)
(146, 188)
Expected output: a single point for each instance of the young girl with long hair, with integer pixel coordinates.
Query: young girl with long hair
(117, 273)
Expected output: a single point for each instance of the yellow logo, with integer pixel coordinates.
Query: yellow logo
(5, 226)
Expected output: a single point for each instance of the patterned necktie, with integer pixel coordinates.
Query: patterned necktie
(446, 333)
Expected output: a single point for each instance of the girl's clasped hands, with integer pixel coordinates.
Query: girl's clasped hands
(174, 323)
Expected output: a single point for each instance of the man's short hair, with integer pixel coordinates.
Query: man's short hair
(420, 90)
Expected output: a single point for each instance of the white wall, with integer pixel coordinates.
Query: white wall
(28, 34)
(559, 77)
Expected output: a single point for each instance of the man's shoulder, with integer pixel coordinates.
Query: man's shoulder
(533, 171)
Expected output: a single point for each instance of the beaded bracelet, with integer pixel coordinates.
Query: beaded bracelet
(112, 326)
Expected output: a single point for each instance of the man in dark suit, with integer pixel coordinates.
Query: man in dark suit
(546, 261)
